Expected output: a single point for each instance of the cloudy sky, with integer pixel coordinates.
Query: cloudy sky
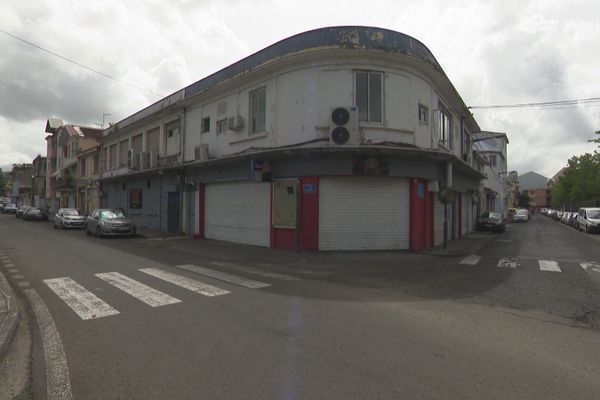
(494, 52)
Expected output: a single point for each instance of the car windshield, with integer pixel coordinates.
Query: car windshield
(594, 214)
(521, 212)
(70, 212)
(112, 214)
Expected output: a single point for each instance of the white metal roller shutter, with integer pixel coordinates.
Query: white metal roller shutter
(363, 213)
(238, 212)
(438, 222)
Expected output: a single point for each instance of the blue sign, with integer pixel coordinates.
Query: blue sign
(420, 190)
(309, 188)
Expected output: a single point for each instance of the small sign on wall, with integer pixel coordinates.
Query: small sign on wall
(135, 198)
(309, 188)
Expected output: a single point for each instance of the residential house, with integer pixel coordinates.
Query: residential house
(64, 143)
(493, 145)
(21, 184)
(342, 138)
(88, 161)
(39, 181)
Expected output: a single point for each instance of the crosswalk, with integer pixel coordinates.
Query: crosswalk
(87, 305)
(541, 265)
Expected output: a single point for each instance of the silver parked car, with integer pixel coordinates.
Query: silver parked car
(68, 218)
(109, 222)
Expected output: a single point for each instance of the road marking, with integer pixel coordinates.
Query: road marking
(550, 266)
(6, 261)
(590, 267)
(266, 274)
(23, 284)
(186, 283)
(507, 263)
(471, 260)
(17, 276)
(236, 280)
(12, 270)
(9, 265)
(150, 296)
(85, 304)
(58, 383)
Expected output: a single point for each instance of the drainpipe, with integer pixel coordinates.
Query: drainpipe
(182, 199)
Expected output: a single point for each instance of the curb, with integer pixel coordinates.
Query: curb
(10, 321)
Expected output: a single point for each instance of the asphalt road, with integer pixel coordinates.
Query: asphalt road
(385, 325)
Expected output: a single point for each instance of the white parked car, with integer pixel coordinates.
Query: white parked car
(521, 215)
(68, 218)
(588, 219)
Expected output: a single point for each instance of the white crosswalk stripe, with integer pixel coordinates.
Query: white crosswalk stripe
(471, 260)
(236, 280)
(85, 304)
(590, 267)
(184, 282)
(548, 265)
(150, 296)
(507, 263)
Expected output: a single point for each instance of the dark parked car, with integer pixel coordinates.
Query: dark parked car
(68, 218)
(21, 210)
(109, 222)
(35, 214)
(491, 221)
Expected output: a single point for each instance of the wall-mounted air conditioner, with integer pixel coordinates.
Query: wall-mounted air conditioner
(201, 152)
(343, 126)
(235, 123)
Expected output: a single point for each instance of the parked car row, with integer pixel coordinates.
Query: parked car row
(586, 219)
(101, 222)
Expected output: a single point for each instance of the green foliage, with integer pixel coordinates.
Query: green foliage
(2, 183)
(596, 140)
(580, 183)
(523, 200)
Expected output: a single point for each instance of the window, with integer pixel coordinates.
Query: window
(258, 110)
(136, 143)
(112, 156)
(152, 140)
(369, 96)
(445, 127)
(423, 114)
(493, 160)
(205, 127)
(82, 165)
(96, 164)
(222, 126)
(123, 156)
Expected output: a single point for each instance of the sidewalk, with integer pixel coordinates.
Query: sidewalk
(9, 315)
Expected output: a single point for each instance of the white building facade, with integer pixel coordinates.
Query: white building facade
(493, 146)
(344, 138)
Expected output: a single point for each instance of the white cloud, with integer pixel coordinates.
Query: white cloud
(494, 52)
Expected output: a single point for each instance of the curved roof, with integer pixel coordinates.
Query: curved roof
(342, 37)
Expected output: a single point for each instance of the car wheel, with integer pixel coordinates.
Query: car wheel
(99, 232)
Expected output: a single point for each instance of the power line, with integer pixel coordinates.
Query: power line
(546, 104)
(79, 64)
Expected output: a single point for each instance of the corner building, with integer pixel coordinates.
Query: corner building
(341, 138)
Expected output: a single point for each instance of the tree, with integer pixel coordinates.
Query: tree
(523, 200)
(580, 183)
(2, 183)
(596, 140)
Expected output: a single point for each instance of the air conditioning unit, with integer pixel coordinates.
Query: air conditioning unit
(201, 152)
(153, 158)
(144, 160)
(343, 126)
(235, 123)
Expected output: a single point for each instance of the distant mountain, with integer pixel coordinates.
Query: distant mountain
(532, 180)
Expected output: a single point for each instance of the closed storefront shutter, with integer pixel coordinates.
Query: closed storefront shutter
(238, 212)
(363, 213)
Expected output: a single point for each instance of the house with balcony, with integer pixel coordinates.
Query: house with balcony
(63, 144)
(341, 138)
(87, 181)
